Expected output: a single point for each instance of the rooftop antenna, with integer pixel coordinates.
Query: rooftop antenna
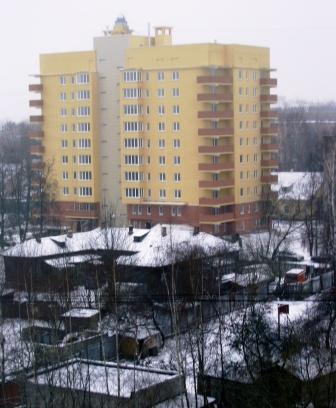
(107, 31)
(148, 33)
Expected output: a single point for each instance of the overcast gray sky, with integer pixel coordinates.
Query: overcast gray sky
(300, 33)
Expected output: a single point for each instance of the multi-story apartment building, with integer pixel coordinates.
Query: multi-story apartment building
(179, 133)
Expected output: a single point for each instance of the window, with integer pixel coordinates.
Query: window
(255, 92)
(176, 109)
(241, 192)
(133, 126)
(63, 96)
(65, 191)
(83, 78)
(241, 158)
(177, 160)
(240, 75)
(65, 159)
(65, 175)
(242, 209)
(177, 177)
(133, 176)
(254, 124)
(254, 108)
(62, 80)
(254, 75)
(162, 126)
(134, 192)
(133, 159)
(176, 143)
(149, 210)
(162, 193)
(241, 175)
(241, 125)
(85, 191)
(160, 92)
(175, 76)
(177, 194)
(84, 143)
(85, 175)
(63, 112)
(83, 127)
(160, 76)
(241, 140)
(240, 91)
(162, 143)
(162, 160)
(132, 93)
(176, 126)
(64, 127)
(132, 76)
(84, 159)
(161, 109)
(83, 111)
(240, 108)
(83, 94)
(162, 177)
(161, 211)
(176, 92)
(133, 109)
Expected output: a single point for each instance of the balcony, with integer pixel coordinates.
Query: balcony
(215, 184)
(216, 166)
(36, 134)
(210, 218)
(227, 148)
(271, 82)
(212, 202)
(215, 115)
(269, 163)
(269, 178)
(36, 103)
(37, 165)
(216, 132)
(214, 80)
(36, 118)
(217, 97)
(35, 88)
(269, 147)
(268, 98)
(36, 149)
(271, 130)
(270, 114)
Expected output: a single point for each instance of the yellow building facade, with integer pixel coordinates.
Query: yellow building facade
(178, 133)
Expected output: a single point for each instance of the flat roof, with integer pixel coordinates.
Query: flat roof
(101, 378)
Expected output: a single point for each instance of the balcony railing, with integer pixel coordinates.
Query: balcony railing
(216, 166)
(269, 114)
(269, 146)
(209, 218)
(36, 134)
(269, 179)
(36, 149)
(268, 82)
(216, 132)
(270, 130)
(36, 118)
(209, 184)
(269, 98)
(228, 148)
(213, 79)
(35, 88)
(36, 103)
(269, 163)
(215, 115)
(216, 201)
(220, 97)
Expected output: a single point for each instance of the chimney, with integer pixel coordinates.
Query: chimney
(69, 233)
(196, 230)
(130, 230)
(163, 231)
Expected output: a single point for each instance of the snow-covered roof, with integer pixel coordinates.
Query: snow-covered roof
(294, 185)
(101, 377)
(295, 271)
(81, 313)
(147, 248)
